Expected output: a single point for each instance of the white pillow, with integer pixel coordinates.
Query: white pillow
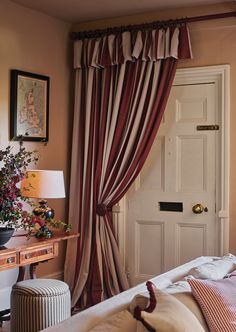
(161, 283)
(178, 287)
(229, 257)
(213, 270)
(122, 321)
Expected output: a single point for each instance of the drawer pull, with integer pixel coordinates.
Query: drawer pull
(10, 260)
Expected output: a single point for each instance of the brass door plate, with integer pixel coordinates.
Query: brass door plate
(208, 127)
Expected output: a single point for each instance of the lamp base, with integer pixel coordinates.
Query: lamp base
(44, 232)
(44, 210)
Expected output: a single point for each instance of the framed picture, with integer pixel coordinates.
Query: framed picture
(29, 106)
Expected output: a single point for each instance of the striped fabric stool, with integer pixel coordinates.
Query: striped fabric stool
(39, 303)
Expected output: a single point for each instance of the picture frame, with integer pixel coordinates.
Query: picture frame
(29, 106)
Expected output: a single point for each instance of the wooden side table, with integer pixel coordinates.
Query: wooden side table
(22, 252)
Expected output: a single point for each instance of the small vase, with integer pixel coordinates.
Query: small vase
(5, 234)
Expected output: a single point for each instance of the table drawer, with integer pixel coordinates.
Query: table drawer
(8, 261)
(33, 255)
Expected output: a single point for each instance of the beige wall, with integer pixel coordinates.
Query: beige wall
(34, 42)
(213, 43)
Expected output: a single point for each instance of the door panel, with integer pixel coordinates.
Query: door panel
(198, 246)
(152, 176)
(180, 168)
(191, 155)
(154, 232)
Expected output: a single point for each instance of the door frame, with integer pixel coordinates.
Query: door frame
(220, 75)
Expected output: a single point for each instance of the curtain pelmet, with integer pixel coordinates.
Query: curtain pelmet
(150, 45)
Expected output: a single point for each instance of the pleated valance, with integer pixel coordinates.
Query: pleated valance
(147, 45)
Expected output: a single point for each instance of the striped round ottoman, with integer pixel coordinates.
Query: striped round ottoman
(39, 303)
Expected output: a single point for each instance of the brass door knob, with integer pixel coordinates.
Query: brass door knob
(199, 208)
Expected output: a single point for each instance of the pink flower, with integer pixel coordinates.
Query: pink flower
(24, 214)
(40, 221)
(20, 205)
(33, 220)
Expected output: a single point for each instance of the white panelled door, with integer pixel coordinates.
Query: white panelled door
(162, 229)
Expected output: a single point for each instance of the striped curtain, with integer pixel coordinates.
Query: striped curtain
(122, 85)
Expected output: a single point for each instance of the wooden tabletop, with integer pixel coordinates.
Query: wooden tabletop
(20, 241)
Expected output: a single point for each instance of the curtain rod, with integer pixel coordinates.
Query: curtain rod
(157, 24)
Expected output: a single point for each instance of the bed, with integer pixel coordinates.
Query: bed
(92, 317)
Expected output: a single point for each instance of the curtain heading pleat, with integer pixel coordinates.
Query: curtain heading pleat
(149, 45)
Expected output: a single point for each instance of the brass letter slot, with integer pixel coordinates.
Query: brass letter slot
(171, 206)
(208, 127)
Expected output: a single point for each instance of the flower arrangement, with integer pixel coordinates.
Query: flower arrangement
(12, 211)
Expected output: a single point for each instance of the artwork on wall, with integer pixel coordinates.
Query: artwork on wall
(29, 106)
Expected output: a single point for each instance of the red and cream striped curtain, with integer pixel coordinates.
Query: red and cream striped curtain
(122, 86)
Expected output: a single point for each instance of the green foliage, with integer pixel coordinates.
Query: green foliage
(12, 171)
(12, 212)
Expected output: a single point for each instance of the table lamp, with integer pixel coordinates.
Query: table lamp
(43, 184)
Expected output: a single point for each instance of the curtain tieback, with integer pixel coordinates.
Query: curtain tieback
(102, 210)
